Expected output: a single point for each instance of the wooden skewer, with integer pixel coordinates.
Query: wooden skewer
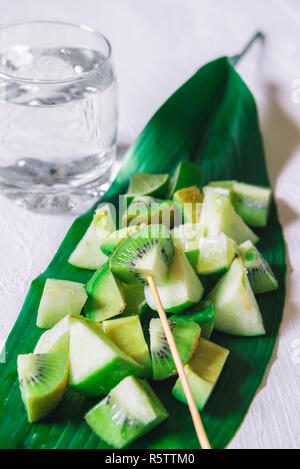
(199, 428)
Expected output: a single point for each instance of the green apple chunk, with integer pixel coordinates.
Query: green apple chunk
(127, 334)
(129, 411)
(49, 338)
(181, 289)
(96, 363)
(201, 313)
(87, 253)
(105, 295)
(218, 216)
(59, 298)
(214, 254)
(202, 371)
(236, 309)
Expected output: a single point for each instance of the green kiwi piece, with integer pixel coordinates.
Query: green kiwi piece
(127, 334)
(145, 252)
(187, 174)
(251, 203)
(129, 411)
(202, 372)
(186, 335)
(149, 184)
(96, 363)
(111, 243)
(87, 254)
(202, 313)
(105, 295)
(59, 298)
(43, 380)
(190, 199)
(260, 274)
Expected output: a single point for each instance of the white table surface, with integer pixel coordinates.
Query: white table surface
(157, 45)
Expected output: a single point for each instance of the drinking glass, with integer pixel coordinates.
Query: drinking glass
(58, 109)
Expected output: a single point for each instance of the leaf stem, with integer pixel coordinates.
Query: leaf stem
(236, 58)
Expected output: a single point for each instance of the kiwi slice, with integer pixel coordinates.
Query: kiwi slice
(190, 199)
(187, 174)
(181, 289)
(43, 380)
(134, 299)
(260, 274)
(149, 184)
(251, 203)
(127, 334)
(202, 313)
(218, 216)
(49, 339)
(96, 363)
(111, 243)
(87, 253)
(129, 411)
(236, 309)
(141, 211)
(59, 298)
(145, 252)
(186, 335)
(202, 372)
(105, 295)
(214, 254)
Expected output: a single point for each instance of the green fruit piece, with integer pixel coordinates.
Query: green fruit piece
(127, 334)
(165, 212)
(186, 237)
(129, 411)
(202, 313)
(96, 363)
(105, 295)
(187, 174)
(134, 299)
(251, 203)
(181, 289)
(215, 254)
(227, 185)
(49, 339)
(111, 243)
(43, 380)
(186, 335)
(87, 253)
(260, 274)
(191, 200)
(59, 298)
(202, 371)
(236, 309)
(146, 252)
(218, 216)
(149, 184)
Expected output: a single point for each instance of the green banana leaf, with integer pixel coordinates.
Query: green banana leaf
(212, 120)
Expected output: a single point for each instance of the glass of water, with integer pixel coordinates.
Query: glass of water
(58, 109)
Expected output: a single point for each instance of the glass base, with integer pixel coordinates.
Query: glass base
(75, 200)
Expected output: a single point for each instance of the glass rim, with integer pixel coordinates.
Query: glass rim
(82, 76)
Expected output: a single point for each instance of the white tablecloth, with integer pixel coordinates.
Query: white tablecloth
(157, 45)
